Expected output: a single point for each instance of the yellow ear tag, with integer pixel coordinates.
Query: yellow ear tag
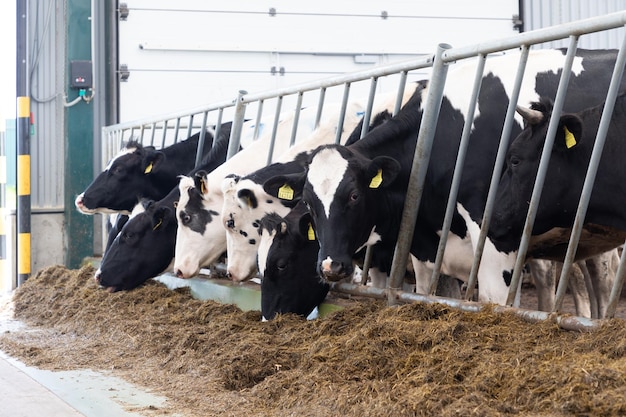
(310, 233)
(377, 180)
(570, 140)
(285, 192)
(156, 226)
(148, 169)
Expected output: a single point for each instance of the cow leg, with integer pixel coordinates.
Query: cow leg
(602, 269)
(545, 284)
(584, 302)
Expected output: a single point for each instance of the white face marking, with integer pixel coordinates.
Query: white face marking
(326, 264)
(326, 171)
(265, 243)
(125, 151)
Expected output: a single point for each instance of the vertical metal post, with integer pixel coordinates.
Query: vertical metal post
(497, 171)
(425, 138)
(270, 152)
(592, 170)
(23, 146)
(235, 133)
(201, 139)
(342, 114)
(458, 171)
(296, 118)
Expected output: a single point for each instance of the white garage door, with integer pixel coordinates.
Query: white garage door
(188, 53)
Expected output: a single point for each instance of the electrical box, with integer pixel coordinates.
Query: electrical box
(81, 74)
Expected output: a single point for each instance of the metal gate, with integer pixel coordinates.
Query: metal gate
(167, 129)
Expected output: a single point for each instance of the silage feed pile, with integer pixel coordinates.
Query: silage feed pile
(210, 359)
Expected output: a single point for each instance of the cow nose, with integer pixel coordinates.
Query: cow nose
(332, 270)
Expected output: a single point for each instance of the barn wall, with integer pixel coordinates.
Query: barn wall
(205, 51)
(540, 14)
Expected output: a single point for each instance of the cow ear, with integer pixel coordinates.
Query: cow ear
(569, 132)
(305, 224)
(382, 171)
(286, 187)
(161, 217)
(247, 198)
(152, 161)
(200, 182)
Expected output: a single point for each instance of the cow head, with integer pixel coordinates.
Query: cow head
(142, 250)
(287, 259)
(522, 162)
(339, 187)
(125, 178)
(201, 239)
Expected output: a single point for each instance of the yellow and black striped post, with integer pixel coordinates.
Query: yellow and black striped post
(23, 144)
(23, 189)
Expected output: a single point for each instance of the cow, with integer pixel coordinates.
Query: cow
(288, 246)
(245, 202)
(356, 193)
(142, 172)
(204, 245)
(605, 222)
(144, 247)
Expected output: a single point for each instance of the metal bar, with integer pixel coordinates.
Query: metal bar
(164, 136)
(320, 106)
(458, 171)
(401, 88)
(296, 119)
(497, 171)
(258, 122)
(270, 152)
(177, 129)
(565, 322)
(22, 88)
(235, 132)
(201, 139)
(364, 129)
(153, 133)
(190, 127)
(592, 169)
(418, 172)
(576, 28)
(342, 113)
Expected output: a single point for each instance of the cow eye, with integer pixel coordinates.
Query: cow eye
(118, 170)
(185, 218)
(354, 196)
(281, 265)
(514, 161)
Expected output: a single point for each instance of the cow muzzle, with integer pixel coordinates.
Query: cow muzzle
(334, 271)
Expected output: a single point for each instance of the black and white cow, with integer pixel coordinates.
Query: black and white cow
(142, 172)
(144, 247)
(356, 193)
(575, 137)
(605, 222)
(204, 245)
(245, 202)
(287, 253)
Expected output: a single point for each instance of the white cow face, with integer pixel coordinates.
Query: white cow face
(245, 204)
(200, 238)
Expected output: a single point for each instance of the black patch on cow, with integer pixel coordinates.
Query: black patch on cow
(213, 212)
(242, 233)
(256, 223)
(200, 217)
(508, 276)
(269, 201)
(252, 241)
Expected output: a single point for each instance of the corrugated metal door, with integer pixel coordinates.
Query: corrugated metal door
(539, 14)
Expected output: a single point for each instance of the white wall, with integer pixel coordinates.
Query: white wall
(189, 53)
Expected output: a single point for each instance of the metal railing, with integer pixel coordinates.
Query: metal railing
(168, 128)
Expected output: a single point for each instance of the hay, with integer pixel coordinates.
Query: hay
(366, 360)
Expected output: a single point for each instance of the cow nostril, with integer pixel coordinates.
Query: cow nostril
(179, 273)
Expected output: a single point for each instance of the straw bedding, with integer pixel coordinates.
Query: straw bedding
(211, 359)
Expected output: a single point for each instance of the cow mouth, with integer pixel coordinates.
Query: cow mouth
(109, 289)
(333, 277)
